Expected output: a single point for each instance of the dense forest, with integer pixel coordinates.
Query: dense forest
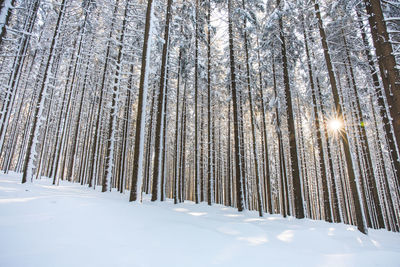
(284, 107)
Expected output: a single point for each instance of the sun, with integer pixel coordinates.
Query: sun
(335, 125)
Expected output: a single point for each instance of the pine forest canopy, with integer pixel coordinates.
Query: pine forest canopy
(286, 107)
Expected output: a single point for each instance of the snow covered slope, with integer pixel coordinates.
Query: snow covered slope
(70, 225)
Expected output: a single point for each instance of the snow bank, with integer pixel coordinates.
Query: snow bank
(70, 225)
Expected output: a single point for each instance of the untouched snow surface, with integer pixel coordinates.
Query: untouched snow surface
(71, 225)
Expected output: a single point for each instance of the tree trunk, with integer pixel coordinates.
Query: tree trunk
(142, 103)
(252, 119)
(239, 186)
(297, 192)
(160, 123)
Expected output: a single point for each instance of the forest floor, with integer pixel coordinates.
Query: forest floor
(42, 225)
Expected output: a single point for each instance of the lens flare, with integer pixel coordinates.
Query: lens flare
(335, 124)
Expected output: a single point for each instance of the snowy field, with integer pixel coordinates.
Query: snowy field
(70, 225)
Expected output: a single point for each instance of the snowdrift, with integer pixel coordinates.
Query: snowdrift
(69, 225)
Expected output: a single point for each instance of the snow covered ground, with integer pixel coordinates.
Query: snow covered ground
(71, 225)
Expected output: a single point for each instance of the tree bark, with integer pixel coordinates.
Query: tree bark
(142, 103)
(239, 186)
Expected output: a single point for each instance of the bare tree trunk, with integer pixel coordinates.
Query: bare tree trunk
(239, 186)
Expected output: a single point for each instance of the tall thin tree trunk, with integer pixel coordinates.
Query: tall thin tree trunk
(239, 186)
(252, 119)
(297, 192)
(209, 169)
(160, 123)
(177, 162)
(137, 172)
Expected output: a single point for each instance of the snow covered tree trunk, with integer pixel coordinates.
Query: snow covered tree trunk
(109, 164)
(164, 144)
(137, 174)
(252, 119)
(214, 183)
(297, 192)
(242, 149)
(228, 168)
(239, 186)
(202, 156)
(196, 96)
(148, 155)
(183, 149)
(160, 124)
(209, 169)
(177, 162)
